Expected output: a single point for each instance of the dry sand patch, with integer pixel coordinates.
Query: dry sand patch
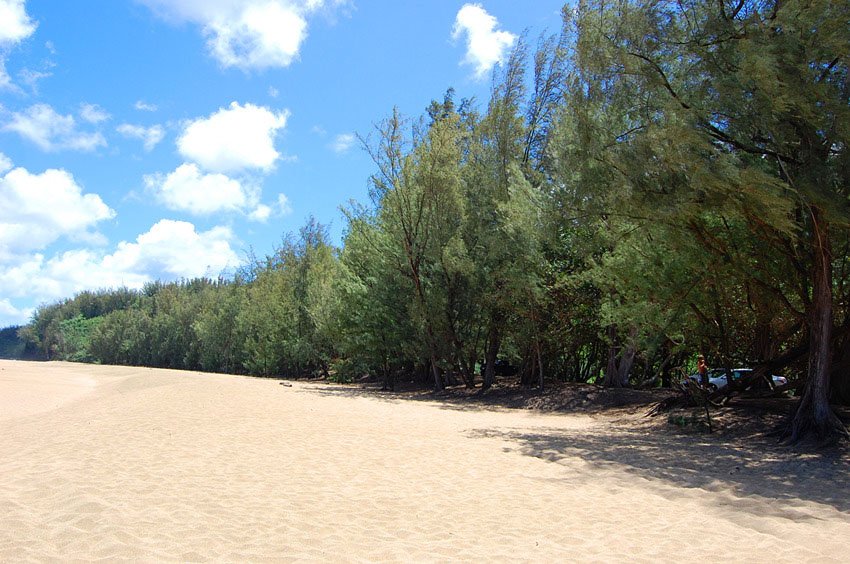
(175, 466)
(29, 389)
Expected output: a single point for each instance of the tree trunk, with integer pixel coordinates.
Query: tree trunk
(625, 368)
(814, 415)
(467, 372)
(611, 374)
(617, 372)
(540, 378)
(435, 371)
(494, 342)
(432, 341)
(389, 379)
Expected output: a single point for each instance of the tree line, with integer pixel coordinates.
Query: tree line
(656, 180)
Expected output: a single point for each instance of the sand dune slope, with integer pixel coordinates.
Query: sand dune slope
(132, 463)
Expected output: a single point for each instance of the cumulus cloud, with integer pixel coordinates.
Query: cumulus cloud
(248, 34)
(174, 249)
(38, 209)
(169, 250)
(343, 142)
(15, 26)
(149, 136)
(5, 163)
(51, 131)
(93, 113)
(188, 189)
(485, 45)
(234, 138)
(263, 35)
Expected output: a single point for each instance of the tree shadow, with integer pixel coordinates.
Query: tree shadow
(756, 468)
(756, 471)
(439, 400)
(562, 398)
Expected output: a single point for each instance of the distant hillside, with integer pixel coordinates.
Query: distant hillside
(13, 347)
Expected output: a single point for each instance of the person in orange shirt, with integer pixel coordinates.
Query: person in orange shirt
(702, 370)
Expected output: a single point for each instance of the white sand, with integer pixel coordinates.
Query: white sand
(133, 463)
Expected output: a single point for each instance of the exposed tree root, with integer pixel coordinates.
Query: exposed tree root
(829, 431)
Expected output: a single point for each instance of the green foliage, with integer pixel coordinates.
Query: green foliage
(287, 317)
(346, 371)
(75, 338)
(123, 337)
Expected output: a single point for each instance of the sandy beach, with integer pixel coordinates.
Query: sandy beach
(101, 462)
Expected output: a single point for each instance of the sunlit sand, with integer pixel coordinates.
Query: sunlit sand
(116, 463)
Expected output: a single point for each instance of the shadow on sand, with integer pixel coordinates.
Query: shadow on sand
(564, 397)
(755, 467)
(454, 402)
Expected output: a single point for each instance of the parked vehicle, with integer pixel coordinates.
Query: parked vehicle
(717, 377)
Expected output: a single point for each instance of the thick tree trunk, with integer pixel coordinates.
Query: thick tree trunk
(617, 372)
(814, 415)
(625, 368)
(467, 374)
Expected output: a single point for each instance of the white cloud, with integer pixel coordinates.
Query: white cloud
(143, 106)
(173, 249)
(261, 213)
(150, 136)
(38, 209)
(15, 26)
(52, 131)
(169, 250)
(11, 315)
(5, 163)
(188, 189)
(273, 92)
(263, 35)
(93, 113)
(248, 34)
(485, 46)
(234, 138)
(343, 142)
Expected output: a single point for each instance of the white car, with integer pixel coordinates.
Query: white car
(717, 377)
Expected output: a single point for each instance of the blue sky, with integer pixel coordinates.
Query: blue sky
(160, 139)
